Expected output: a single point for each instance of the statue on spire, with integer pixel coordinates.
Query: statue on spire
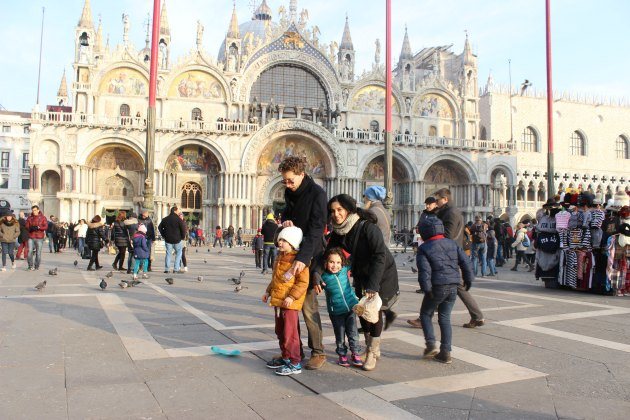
(200, 29)
(377, 53)
(125, 21)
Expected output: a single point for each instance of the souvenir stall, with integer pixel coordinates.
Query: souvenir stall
(582, 246)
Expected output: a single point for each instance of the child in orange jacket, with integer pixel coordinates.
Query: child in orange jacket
(286, 293)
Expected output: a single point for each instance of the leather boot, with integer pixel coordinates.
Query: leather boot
(370, 360)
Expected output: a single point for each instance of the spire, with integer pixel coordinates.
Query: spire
(263, 12)
(98, 45)
(233, 30)
(346, 40)
(405, 53)
(164, 27)
(63, 87)
(86, 16)
(468, 55)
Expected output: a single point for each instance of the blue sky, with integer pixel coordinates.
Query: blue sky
(591, 48)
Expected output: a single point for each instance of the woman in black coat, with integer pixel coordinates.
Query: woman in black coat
(120, 237)
(94, 239)
(373, 266)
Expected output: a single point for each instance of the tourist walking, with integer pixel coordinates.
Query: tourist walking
(9, 233)
(120, 239)
(22, 251)
(36, 224)
(173, 231)
(268, 230)
(131, 224)
(479, 246)
(81, 231)
(453, 222)
(306, 209)
(146, 220)
(373, 266)
(94, 241)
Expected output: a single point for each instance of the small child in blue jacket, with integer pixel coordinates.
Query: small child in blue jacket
(340, 298)
(141, 251)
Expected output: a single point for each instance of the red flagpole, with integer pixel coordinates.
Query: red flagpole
(388, 106)
(154, 53)
(149, 193)
(551, 189)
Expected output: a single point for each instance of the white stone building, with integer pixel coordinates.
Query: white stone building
(14, 159)
(276, 89)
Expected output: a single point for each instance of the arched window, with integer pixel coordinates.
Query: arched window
(374, 126)
(529, 142)
(290, 86)
(195, 115)
(191, 196)
(84, 39)
(124, 110)
(578, 144)
(483, 135)
(621, 147)
(433, 131)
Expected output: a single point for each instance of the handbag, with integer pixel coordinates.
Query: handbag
(111, 250)
(368, 308)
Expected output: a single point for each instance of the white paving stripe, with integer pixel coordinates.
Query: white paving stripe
(613, 345)
(139, 343)
(192, 310)
(43, 295)
(563, 317)
(551, 299)
(363, 404)
(464, 312)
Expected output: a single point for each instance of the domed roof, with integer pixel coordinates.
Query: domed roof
(257, 27)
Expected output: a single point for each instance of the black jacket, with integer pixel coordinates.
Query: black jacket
(453, 222)
(439, 262)
(373, 266)
(120, 234)
(23, 230)
(148, 223)
(268, 230)
(306, 208)
(94, 236)
(172, 229)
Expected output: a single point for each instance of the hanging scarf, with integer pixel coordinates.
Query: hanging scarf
(344, 227)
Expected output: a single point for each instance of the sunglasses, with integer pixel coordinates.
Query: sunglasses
(288, 181)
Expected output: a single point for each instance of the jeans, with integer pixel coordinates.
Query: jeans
(500, 252)
(169, 254)
(520, 257)
(144, 262)
(8, 248)
(149, 245)
(345, 325)
(217, 239)
(443, 299)
(35, 246)
(492, 269)
(269, 256)
(258, 255)
(478, 253)
(51, 241)
(310, 311)
(81, 245)
(469, 302)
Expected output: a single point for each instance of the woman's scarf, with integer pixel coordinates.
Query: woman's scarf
(346, 226)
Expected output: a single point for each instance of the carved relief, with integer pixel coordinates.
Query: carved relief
(372, 99)
(353, 157)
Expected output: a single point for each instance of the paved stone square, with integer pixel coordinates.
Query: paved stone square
(72, 351)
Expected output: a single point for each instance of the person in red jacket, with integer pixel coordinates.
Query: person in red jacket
(36, 224)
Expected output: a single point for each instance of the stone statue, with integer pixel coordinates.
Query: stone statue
(377, 53)
(316, 34)
(333, 50)
(125, 20)
(282, 14)
(303, 18)
(345, 94)
(199, 34)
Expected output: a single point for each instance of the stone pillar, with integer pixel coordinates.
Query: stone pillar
(280, 111)
(298, 111)
(263, 117)
(314, 115)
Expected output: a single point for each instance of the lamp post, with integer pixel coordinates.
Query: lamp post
(149, 162)
(388, 106)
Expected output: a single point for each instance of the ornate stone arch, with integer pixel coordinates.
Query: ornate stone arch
(264, 192)
(98, 78)
(464, 162)
(400, 100)
(120, 140)
(208, 144)
(406, 161)
(256, 144)
(292, 57)
(211, 70)
(47, 151)
(447, 95)
(506, 169)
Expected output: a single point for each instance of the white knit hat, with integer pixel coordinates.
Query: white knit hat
(292, 235)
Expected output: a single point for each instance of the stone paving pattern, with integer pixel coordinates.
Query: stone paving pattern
(62, 356)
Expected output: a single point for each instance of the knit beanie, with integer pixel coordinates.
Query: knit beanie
(375, 193)
(292, 235)
(430, 227)
(142, 228)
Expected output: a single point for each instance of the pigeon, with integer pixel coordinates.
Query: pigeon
(410, 259)
(76, 263)
(205, 261)
(40, 286)
(109, 275)
(170, 280)
(238, 288)
(52, 272)
(404, 264)
(241, 274)
(199, 279)
(395, 252)
(196, 251)
(103, 284)
(208, 249)
(220, 251)
(123, 285)
(414, 269)
(235, 280)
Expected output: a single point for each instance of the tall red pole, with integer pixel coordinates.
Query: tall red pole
(551, 189)
(149, 168)
(388, 106)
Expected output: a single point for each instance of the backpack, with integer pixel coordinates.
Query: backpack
(526, 242)
(479, 234)
(467, 244)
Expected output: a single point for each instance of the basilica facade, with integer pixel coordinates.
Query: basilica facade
(276, 89)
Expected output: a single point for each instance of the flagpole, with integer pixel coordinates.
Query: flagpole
(388, 107)
(41, 42)
(551, 189)
(149, 193)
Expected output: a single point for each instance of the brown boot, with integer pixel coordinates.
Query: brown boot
(415, 323)
(315, 362)
(373, 350)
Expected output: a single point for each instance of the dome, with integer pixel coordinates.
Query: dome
(256, 27)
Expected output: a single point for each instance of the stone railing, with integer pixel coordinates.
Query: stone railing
(355, 135)
(139, 123)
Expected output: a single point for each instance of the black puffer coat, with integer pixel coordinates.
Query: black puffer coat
(23, 230)
(94, 236)
(373, 266)
(119, 234)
